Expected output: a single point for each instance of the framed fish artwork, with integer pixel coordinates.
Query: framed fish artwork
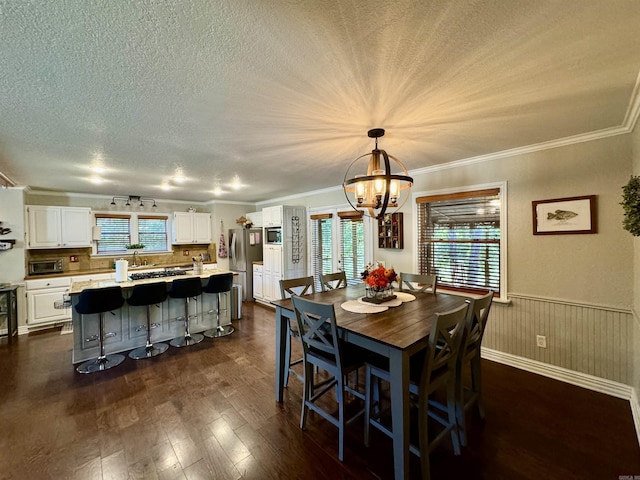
(565, 216)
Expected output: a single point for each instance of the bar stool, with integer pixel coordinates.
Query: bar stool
(146, 295)
(100, 300)
(187, 288)
(219, 284)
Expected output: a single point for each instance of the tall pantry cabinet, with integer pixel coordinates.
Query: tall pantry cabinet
(286, 260)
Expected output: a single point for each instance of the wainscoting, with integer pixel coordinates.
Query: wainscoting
(591, 346)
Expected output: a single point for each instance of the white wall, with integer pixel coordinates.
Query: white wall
(12, 262)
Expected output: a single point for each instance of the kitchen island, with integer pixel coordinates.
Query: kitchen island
(125, 329)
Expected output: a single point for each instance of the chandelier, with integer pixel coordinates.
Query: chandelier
(133, 198)
(378, 189)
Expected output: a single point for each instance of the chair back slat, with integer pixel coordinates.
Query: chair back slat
(477, 320)
(331, 281)
(296, 287)
(317, 322)
(444, 343)
(414, 282)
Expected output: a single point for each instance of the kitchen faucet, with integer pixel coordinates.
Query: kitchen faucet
(133, 262)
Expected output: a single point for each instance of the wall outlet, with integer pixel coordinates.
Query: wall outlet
(541, 341)
(73, 258)
(185, 253)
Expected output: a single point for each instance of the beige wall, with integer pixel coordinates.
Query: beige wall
(575, 289)
(636, 273)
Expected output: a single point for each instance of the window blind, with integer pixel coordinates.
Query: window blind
(321, 246)
(152, 233)
(115, 233)
(352, 249)
(459, 239)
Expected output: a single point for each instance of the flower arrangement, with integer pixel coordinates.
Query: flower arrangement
(134, 246)
(245, 222)
(378, 278)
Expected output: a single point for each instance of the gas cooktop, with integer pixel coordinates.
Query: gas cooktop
(167, 273)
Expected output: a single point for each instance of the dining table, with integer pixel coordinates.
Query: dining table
(396, 333)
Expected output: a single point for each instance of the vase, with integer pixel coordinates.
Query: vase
(379, 294)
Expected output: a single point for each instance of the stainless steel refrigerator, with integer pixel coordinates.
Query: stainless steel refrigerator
(245, 247)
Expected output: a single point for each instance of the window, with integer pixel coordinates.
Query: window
(118, 230)
(152, 233)
(351, 245)
(115, 233)
(459, 239)
(338, 243)
(321, 246)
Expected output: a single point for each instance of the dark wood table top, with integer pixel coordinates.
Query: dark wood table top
(399, 327)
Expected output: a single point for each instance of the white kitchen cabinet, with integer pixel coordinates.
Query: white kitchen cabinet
(191, 227)
(255, 218)
(287, 260)
(272, 216)
(257, 282)
(271, 272)
(58, 227)
(42, 296)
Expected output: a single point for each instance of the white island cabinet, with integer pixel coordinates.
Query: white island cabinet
(191, 227)
(126, 328)
(58, 227)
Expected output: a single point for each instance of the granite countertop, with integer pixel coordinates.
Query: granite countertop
(77, 287)
(259, 262)
(112, 270)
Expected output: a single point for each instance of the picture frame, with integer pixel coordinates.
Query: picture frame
(561, 216)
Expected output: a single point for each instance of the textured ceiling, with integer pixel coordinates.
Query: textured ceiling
(280, 94)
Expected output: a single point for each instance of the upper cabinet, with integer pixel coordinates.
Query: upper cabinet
(58, 227)
(191, 227)
(272, 216)
(255, 218)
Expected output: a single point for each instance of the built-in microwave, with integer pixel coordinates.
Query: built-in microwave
(45, 266)
(273, 235)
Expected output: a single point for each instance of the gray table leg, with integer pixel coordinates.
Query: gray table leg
(399, 370)
(281, 341)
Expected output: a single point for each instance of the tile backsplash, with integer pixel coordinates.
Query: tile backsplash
(80, 259)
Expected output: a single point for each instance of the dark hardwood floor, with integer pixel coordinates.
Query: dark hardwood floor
(209, 412)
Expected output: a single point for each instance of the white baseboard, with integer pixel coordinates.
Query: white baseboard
(635, 411)
(602, 385)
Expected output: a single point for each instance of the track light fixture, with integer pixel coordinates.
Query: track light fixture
(133, 198)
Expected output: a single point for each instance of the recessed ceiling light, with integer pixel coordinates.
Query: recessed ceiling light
(235, 182)
(178, 176)
(96, 180)
(218, 191)
(165, 186)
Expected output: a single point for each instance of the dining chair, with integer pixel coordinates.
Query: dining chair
(331, 281)
(290, 288)
(323, 349)
(470, 395)
(413, 282)
(430, 370)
